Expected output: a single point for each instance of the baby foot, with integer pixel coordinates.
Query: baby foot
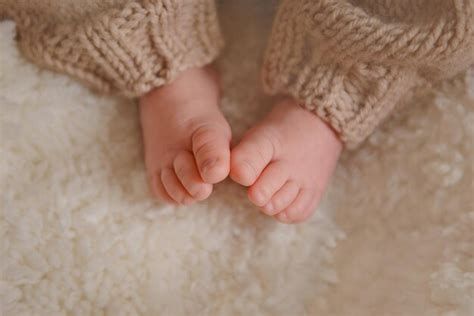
(186, 137)
(286, 161)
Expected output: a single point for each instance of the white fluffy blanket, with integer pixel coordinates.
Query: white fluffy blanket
(81, 236)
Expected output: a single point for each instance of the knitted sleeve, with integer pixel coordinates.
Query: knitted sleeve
(125, 47)
(350, 61)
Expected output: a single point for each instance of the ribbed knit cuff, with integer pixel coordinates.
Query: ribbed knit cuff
(352, 101)
(127, 50)
(353, 97)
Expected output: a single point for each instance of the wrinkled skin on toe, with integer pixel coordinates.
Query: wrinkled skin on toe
(286, 162)
(186, 137)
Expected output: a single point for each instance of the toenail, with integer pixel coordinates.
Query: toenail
(200, 193)
(270, 208)
(283, 217)
(186, 201)
(207, 164)
(247, 173)
(260, 197)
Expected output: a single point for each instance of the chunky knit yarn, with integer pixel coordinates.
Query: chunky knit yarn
(349, 61)
(119, 46)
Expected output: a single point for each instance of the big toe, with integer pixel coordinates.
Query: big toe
(211, 148)
(250, 157)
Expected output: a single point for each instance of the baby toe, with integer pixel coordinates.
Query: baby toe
(174, 188)
(303, 214)
(212, 152)
(249, 158)
(268, 183)
(283, 218)
(186, 170)
(282, 198)
(158, 189)
(301, 208)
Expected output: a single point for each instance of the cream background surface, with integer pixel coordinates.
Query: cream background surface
(80, 235)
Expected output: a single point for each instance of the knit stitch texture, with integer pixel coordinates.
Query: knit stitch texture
(351, 61)
(123, 47)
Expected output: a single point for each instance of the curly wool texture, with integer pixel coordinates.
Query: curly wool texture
(122, 47)
(352, 61)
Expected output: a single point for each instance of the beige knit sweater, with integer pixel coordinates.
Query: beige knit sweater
(349, 61)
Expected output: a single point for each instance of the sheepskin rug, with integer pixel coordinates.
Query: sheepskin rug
(80, 234)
